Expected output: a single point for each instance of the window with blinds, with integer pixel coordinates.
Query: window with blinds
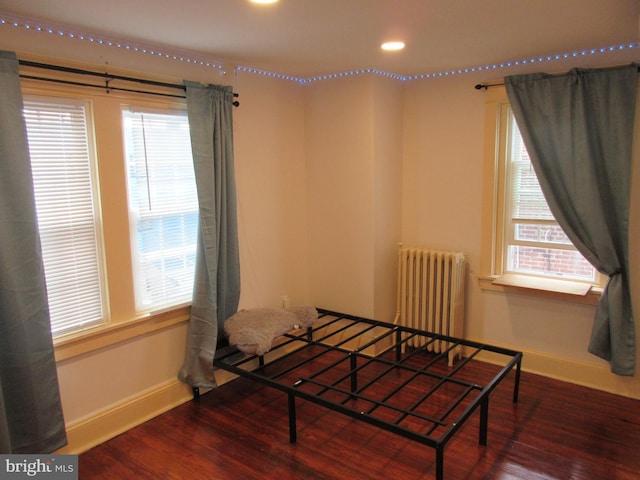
(535, 243)
(63, 166)
(163, 206)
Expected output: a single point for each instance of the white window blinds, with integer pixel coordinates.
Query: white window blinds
(61, 158)
(528, 202)
(163, 205)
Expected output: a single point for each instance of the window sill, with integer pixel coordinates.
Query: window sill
(95, 338)
(558, 289)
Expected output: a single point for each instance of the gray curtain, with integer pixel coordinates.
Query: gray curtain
(31, 419)
(216, 290)
(578, 129)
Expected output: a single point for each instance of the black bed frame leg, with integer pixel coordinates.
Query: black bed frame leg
(310, 334)
(196, 393)
(484, 420)
(440, 462)
(516, 386)
(293, 436)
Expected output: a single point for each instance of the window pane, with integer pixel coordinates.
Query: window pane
(534, 225)
(163, 205)
(541, 234)
(568, 264)
(61, 162)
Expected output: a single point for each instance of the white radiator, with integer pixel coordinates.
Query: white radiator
(431, 295)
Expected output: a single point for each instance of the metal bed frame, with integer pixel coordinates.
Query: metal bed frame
(418, 395)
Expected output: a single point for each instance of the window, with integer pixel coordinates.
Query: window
(523, 244)
(535, 244)
(64, 180)
(116, 208)
(163, 206)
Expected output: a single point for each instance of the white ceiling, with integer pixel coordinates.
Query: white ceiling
(310, 37)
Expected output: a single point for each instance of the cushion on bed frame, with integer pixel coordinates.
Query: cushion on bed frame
(253, 331)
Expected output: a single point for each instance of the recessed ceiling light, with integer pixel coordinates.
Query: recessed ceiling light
(264, 2)
(392, 46)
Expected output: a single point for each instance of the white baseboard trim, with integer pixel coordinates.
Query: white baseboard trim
(111, 422)
(590, 375)
(106, 424)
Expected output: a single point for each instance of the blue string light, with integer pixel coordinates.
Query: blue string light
(130, 46)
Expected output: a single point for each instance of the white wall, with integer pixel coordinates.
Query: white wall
(339, 144)
(271, 185)
(353, 140)
(387, 185)
(330, 177)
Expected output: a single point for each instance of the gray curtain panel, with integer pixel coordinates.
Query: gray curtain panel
(216, 290)
(578, 129)
(31, 419)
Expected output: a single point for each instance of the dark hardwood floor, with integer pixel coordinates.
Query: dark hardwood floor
(240, 431)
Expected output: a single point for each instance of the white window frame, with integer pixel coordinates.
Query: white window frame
(122, 320)
(499, 228)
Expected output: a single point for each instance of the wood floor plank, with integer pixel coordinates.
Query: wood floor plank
(240, 431)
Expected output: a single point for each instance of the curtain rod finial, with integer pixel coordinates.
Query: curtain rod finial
(480, 86)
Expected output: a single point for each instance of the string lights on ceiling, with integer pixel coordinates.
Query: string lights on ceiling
(108, 42)
(168, 55)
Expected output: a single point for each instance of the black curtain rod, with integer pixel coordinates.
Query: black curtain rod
(104, 87)
(107, 77)
(481, 86)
